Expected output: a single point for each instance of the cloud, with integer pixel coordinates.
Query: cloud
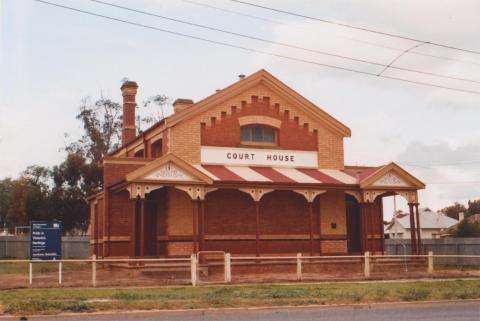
(439, 153)
(51, 68)
(449, 23)
(451, 174)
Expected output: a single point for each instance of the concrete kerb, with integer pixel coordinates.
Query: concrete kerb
(257, 308)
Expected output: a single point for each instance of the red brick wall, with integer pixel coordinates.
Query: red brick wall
(119, 249)
(230, 222)
(179, 213)
(165, 142)
(226, 131)
(284, 212)
(229, 211)
(230, 214)
(333, 211)
(99, 218)
(334, 247)
(120, 213)
(114, 172)
(281, 212)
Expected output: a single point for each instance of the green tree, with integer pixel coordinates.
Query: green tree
(473, 207)
(454, 210)
(61, 192)
(158, 106)
(468, 229)
(36, 179)
(17, 212)
(26, 198)
(6, 187)
(69, 191)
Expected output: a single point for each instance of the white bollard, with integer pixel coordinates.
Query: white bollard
(193, 269)
(367, 264)
(94, 270)
(299, 266)
(228, 268)
(59, 272)
(430, 262)
(30, 273)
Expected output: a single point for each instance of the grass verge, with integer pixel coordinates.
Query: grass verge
(53, 301)
(38, 267)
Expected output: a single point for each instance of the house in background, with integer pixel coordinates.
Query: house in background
(452, 230)
(432, 225)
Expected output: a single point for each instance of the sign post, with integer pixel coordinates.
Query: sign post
(45, 240)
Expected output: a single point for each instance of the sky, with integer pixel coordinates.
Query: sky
(51, 58)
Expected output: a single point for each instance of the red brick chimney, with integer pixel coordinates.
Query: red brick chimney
(181, 103)
(129, 131)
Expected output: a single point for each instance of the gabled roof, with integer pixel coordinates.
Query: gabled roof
(271, 82)
(428, 220)
(168, 168)
(264, 77)
(361, 172)
(383, 175)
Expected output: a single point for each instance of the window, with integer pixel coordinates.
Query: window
(258, 135)
(139, 153)
(156, 149)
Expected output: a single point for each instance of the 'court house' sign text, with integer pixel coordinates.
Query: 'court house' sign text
(259, 157)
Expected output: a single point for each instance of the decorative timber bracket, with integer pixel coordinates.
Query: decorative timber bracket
(309, 194)
(196, 192)
(140, 190)
(256, 193)
(369, 196)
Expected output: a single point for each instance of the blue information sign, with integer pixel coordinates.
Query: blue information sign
(45, 240)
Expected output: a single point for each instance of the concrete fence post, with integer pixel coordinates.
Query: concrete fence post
(430, 262)
(59, 272)
(193, 269)
(30, 273)
(299, 266)
(94, 270)
(228, 268)
(367, 264)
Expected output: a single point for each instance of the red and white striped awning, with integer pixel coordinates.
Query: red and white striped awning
(259, 174)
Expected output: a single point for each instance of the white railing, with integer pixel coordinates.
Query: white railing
(192, 263)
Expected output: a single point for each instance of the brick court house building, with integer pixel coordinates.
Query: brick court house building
(253, 169)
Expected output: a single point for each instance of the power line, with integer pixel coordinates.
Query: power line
(354, 27)
(255, 50)
(385, 67)
(282, 23)
(340, 36)
(442, 57)
(399, 56)
(453, 183)
(441, 164)
(233, 11)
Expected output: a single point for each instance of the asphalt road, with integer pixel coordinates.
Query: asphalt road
(459, 311)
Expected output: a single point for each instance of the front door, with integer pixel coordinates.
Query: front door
(354, 245)
(150, 228)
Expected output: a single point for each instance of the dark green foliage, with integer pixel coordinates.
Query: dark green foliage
(61, 192)
(468, 229)
(454, 210)
(473, 207)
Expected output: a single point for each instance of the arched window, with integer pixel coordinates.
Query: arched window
(258, 135)
(156, 149)
(139, 153)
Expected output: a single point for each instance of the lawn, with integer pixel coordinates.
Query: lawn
(39, 267)
(52, 301)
